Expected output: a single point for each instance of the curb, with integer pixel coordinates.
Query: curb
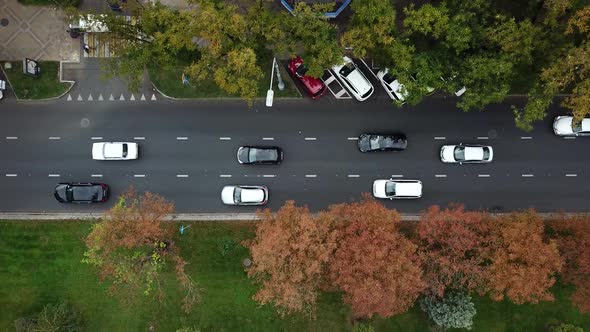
(218, 98)
(94, 216)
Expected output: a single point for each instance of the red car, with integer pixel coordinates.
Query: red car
(314, 86)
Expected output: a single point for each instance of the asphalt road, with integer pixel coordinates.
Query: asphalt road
(188, 153)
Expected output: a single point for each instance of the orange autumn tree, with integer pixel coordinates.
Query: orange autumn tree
(454, 243)
(522, 264)
(376, 267)
(132, 248)
(573, 239)
(289, 255)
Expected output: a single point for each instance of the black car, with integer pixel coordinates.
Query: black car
(260, 155)
(378, 142)
(81, 192)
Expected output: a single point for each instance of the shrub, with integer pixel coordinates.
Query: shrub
(455, 310)
(60, 317)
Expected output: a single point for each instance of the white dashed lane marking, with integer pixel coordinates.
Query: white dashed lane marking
(526, 137)
(11, 137)
(225, 138)
(139, 138)
(268, 138)
(527, 175)
(96, 175)
(181, 138)
(482, 137)
(182, 175)
(54, 138)
(269, 176)
(569, 137)
(440, 175)
(483, 175)
(571, 175)
(440, 137)
(11, 175)
(311, 176)
(397, 176)
(139, 175)
(53, 175)
(225, 175)
(310, 138)
(96, 137)
(353, 138)
(353, 176)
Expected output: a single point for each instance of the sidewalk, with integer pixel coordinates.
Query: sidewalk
(34, 32)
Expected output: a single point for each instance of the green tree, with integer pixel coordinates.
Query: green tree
(427, 20)
(372, 27)
(132, 248)
(53, 317)
(309, 31)
(487, 79)
(454, 310)
(516, 40)
(567, 328)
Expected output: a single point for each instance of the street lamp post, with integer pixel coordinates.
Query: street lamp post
(270, 93)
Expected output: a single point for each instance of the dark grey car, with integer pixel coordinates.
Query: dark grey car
(81, 192)
(260, 155)
(382, 142)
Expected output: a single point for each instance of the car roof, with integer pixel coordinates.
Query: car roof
(408, 188)
(86, 192)
(473, 152)
(113, 150)
(252, 195)
(357, 79)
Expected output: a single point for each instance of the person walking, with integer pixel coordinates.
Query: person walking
(86, 48)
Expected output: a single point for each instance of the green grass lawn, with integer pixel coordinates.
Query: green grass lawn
(169, 81)
(40, 264)
(46, 85)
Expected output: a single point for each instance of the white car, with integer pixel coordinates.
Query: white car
(392, 86)
(397, 189)
(461, 153)
(115, 151)
(562, 126)
(459, 92)
(354, 79)
(244, 195)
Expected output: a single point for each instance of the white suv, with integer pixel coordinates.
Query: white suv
(397, 189)
(354, 79)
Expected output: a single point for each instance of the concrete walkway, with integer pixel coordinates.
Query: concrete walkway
(35, 32)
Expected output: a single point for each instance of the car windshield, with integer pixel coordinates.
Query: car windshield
(262, 155)
(486, 153)
(347, 69)
(388, 78)
(459, 153)
(237, 194)
(577, 128)
(390, 188)
(124, 150)
(301, 70)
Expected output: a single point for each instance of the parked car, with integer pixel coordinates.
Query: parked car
(244, 195)
(563, 126)
(314, 87)
(397, 189)
(260, 155)
(353, 78)
(392, 86)
(115, 151)
(382, 142)
(81, 192)
(466, 153)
